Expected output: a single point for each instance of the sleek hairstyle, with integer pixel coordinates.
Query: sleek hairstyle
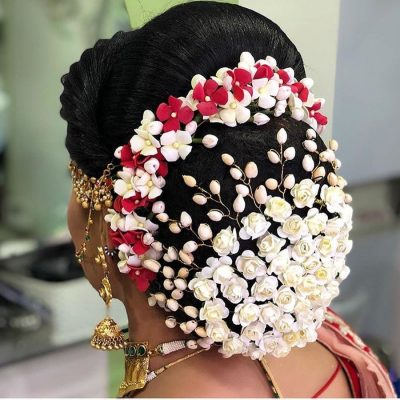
(106, 92)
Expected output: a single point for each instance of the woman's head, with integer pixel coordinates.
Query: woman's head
(105, 95)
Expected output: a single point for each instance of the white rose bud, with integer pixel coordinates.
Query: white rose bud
(310, 145)
(191, 311)
(289, 153)
(177, 294)
(180, 284)
(289, 181)
(251, 169)
(209, 141)
(191, 127)
(168, 284)
(204, 232)
(215, 215)
(174, 227)
(186, 258)
(260, 118)
(239, 204)
(183, 273)
(172, 304)
(199, 199)
(160, 296)
(260, 195)
(333, 145)
(235, 173)
(281, 136)
(311, 134)
(273, 156)
(170, 322)
(168, 272)
(271, 183)
(215, 187)
(186, 219)
(151, 265)
(227, 159)
(189, 180)
(190, 246)
(308, 163)
(158, 207)
(162, 217)
(242, 189)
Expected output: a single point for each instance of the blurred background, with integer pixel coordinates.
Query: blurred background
(47, 309)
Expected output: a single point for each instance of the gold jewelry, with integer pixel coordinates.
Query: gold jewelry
(91, 193)
(137, 360)
(276, 393)
(107, 334)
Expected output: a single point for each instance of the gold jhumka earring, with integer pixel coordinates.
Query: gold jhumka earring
(92, 193)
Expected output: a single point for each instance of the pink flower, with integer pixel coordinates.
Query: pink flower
(209, 96)
(173, 114)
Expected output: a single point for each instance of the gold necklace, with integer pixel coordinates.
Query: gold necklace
(137, 359)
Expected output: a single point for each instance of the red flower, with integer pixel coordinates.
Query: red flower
(173, 114)
(130, 160)
(142, 277)
(240, 81)
(263, 71)
(313, 111)
(301, 91)
(131, 238)
(284, 76)
(209, 96)
(134, 202)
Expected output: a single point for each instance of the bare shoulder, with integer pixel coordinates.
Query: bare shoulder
(300, 374)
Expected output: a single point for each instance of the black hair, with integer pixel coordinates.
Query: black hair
(106, 92)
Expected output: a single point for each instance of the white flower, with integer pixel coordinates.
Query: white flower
(293, 228)
(311, 264)
(315, 221)
(269, 313)
(148, 185)
(307, 286)
(225, 242)
(222, 271)
(203, 289)
(265, 288)
(145, 142)
(124, 186)
(293, 274)
(218, 331)
(175, 145)
(333, 197)
(304, 193)
(213, 310)
(250, 265)
(253, 332)
(115, 219)
(254, 226)
(269, 342)
(123, 262)
(277, 208)
(284, 323)
(282, 349)
(134, 221)
(280, 262)
(326, 245)
(303, 248)
(285, 298)
(344, 245)
(235, 111)
(323, 275)
(246, 313)
(254, 352)
(334, 226)
(269, 246)
(231, 346)
(265, 91)
(235, 290)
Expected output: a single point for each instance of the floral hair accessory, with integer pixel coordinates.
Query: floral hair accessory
(249, 302)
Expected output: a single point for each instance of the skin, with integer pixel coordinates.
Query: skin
(300, 374)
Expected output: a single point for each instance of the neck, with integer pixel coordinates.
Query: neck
(147, 323)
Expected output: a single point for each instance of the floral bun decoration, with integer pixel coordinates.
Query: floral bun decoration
(250, 303)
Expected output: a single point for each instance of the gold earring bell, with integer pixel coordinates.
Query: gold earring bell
(107, 334)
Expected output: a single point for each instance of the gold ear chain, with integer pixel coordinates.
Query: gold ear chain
(93, 193)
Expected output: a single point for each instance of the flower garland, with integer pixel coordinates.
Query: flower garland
(281, 292)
